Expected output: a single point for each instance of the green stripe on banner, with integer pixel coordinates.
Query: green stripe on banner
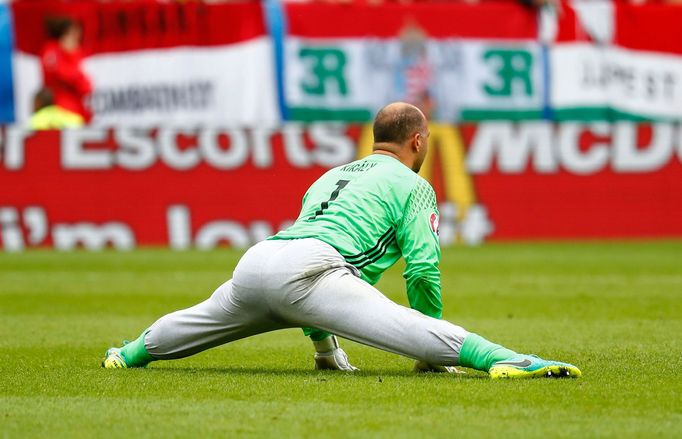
(622, 115)
(589, 114)
(582, 114)
(307, 114)
(481, 115)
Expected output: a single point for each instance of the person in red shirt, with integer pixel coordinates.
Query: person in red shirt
(61, 64)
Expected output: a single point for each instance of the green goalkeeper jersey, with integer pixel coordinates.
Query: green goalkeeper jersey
(373, 211)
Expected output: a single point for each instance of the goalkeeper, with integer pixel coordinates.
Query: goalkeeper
(356, 221)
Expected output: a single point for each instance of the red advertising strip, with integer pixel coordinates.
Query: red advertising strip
(138, 178)
(504, 20)
(201, 188)
(620, 182)
(122, 26)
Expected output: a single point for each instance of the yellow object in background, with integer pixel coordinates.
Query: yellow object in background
(54, 117)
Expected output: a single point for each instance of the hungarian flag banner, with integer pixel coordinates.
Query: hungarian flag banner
(156, 63)
(616, 61)
(456, 61)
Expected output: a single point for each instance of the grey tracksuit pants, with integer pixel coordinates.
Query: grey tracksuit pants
(297, 283)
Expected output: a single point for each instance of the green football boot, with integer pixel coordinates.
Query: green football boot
(531, 366)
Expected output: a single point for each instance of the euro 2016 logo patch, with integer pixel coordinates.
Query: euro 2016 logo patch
(433, 221)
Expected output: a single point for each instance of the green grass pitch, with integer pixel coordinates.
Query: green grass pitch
(613, 309)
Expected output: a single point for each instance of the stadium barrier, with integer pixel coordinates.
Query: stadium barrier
(202, 187)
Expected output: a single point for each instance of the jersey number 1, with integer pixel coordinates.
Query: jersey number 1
(325, 204)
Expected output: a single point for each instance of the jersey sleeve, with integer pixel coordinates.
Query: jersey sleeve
(417, 236)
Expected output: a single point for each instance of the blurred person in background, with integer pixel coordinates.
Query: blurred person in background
(49, 116)
(413, 75)
(60, 60)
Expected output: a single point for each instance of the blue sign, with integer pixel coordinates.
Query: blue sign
(6, 83)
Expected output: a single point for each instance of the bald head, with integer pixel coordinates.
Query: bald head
(401, 131)
(397, 122)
